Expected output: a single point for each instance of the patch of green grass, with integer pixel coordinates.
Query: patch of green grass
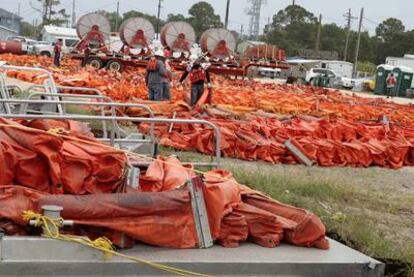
(365, 218)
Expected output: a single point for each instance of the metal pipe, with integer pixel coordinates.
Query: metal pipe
(216, 130)
(102, 104)
(99, 96)
(51, 81)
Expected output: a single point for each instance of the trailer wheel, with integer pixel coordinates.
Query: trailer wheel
(114, 66)
(45, 54)
(95, 62)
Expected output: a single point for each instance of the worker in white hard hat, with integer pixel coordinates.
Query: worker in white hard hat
(199, 75)
(157, 76)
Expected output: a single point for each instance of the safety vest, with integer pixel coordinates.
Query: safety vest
(58, 48)
(197, 75)
(152, 65)
(391, 81)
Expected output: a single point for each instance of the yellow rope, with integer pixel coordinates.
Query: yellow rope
(102, 244)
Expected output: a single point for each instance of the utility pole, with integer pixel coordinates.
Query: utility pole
(158, 18)
(117, 16)
(293, 3)
(73, 13)
(227, 14)
(318, 36)
(361, 18)
(18, 9)
(349, 21)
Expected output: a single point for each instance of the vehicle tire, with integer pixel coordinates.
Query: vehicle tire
(45, 54)
(95, 62)
(310, 81)
(114, 65)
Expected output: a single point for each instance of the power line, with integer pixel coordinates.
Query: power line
(371, 21)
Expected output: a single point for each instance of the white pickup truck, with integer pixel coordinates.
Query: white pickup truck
(27, 43)
(46, 48)
(338, 81)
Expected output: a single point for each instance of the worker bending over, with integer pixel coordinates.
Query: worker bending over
(156, 77)
(198, 76)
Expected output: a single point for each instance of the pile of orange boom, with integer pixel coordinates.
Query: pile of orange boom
(256, 119)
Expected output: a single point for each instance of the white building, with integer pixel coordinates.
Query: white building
(51, 33)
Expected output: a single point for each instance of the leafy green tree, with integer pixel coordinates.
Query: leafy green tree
(202, 17)
(292, 14)
(176, 17)
(28, 30)
(113, 18)
(389, 27)
(51, 14)
(392, 40)
(292, 29)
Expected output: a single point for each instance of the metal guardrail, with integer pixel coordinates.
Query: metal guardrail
(217, 134)
(4, 94)
(50, 84)
(99, 97)
(102, 105)
(52, 90)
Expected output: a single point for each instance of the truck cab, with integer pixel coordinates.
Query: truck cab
(337, 80)
(43, 49)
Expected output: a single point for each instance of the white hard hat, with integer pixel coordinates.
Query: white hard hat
(159, 53)
(193, 58)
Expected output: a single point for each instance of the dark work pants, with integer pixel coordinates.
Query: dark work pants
(155, 92)
(56, 60)
(196, 93)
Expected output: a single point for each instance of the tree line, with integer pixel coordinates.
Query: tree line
(295, 28)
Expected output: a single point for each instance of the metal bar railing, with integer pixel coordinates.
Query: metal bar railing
(49, 81)
(216, 130)
(24, 107)
(96, 91)
(111, 105)
(4, 94)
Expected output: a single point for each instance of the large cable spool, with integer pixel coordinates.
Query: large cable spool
(218, 42)
(137, 32)
(93, 29)
(179, 36)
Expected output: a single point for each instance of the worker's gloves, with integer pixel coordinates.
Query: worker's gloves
(167, 66)
(209, 85)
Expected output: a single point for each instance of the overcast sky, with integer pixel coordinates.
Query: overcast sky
(332, 10)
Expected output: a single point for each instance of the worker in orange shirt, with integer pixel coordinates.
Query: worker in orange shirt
(391, 81)
(199, 75)
(156, 76)
(57, 52)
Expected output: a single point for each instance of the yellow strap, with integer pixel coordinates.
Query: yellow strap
(103, 244)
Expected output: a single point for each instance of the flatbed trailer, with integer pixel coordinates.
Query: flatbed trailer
(118, 63)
